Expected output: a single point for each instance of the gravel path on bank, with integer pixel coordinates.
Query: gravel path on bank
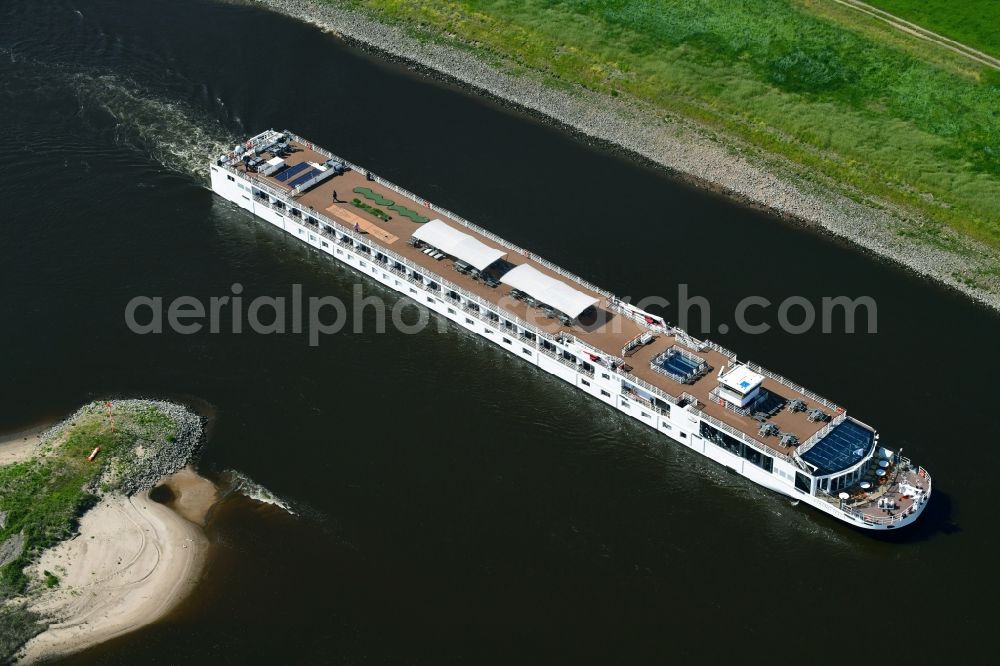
(686, 149)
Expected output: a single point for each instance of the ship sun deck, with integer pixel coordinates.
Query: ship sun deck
(608, 345)
(600, 326)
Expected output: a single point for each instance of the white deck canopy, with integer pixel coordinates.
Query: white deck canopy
(550, 291)
(459, 245)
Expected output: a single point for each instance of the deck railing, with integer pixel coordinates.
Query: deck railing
(646, 402)
(636, 342)
(614, 303)
(591, 349)
(821, 433)
(722, 350)
(792, 385)
(718, 399)
(878, 520)
(686, 339)
(656, 365)
(565, 361)
(637, 315)
(392, 256)
(690, 399)
(652, 390)
(457, 218)
(743, 437)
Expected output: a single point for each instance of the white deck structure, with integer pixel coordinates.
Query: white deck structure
(548, 290)
(458, 244)
(778, 435)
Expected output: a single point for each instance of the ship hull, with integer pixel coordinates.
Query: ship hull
(681, 426)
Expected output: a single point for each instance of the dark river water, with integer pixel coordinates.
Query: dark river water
(453, 505)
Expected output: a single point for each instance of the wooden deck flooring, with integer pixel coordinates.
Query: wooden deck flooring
(609, 333)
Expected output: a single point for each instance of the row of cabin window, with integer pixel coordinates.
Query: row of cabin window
(737, 447)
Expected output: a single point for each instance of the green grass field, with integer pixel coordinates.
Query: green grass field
(43, 497)
(972, 22)
(843, 95)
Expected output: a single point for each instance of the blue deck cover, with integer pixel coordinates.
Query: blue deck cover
(303, 178)
(677, 364)
(843, 447)
(291, 171)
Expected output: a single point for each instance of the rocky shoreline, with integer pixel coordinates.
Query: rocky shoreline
(81, 588)
(145, 469)
(688, 150)
(145, 472)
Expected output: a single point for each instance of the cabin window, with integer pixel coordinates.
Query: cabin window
(802, 482)
(605, 393)
(757, 458)
(585, 382)
(721, 439)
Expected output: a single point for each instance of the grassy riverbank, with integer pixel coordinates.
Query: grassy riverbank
(844, 96)
(43, 497)
(972, 22)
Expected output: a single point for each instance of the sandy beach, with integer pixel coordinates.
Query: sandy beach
(133, 561)
(19, 446)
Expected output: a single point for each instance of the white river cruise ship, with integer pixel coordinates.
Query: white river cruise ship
(745, 417)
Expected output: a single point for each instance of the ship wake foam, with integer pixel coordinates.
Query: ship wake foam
(244, 485)
(170, 132)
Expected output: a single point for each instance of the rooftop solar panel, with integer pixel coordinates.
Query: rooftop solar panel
(291, 171)
(303, 178)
